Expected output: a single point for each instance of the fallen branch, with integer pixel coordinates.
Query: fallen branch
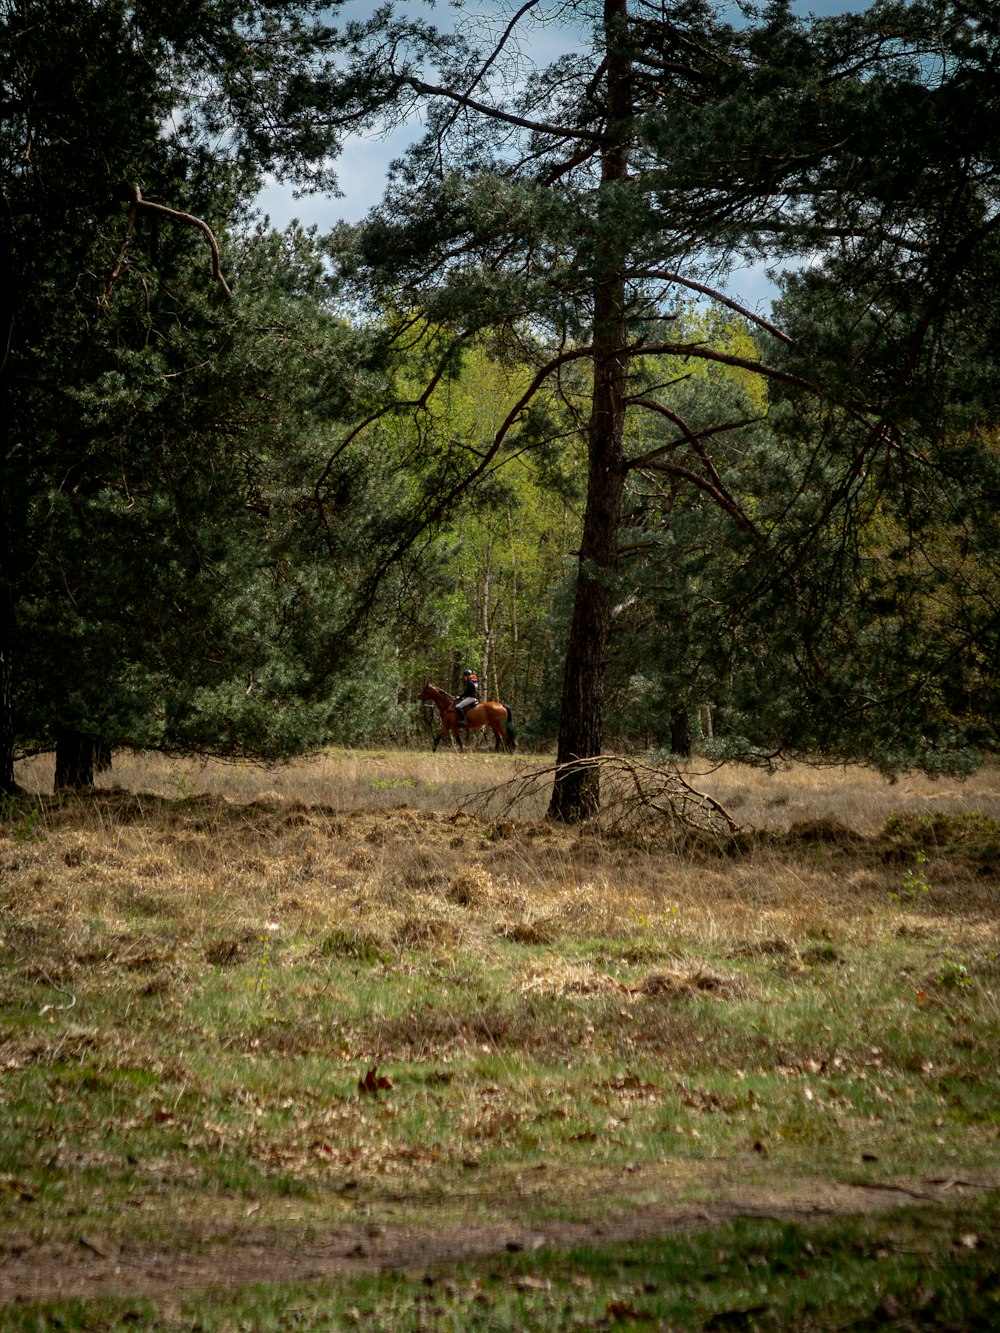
(632, 793)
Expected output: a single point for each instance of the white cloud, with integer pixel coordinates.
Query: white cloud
(361, 170)
(751, 287)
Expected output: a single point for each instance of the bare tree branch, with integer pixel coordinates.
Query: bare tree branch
(144, 205)
(722, 299)
(495, 113)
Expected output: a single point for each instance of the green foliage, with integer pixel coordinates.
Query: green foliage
(249, 524)
(953, 973)
(20, 819)
(821, 607)
(915, 881)
(795, 560)
(170, 577)
(177, 600)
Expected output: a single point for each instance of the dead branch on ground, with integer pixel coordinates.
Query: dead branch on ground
(633, 794)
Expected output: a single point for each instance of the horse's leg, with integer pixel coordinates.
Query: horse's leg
(509, 734)
(499, 730)
(456, 732)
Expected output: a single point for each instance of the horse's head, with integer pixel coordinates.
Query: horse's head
(426, 695)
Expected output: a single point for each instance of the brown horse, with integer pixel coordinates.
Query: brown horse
(496, 716)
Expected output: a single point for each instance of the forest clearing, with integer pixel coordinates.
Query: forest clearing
(317, 1046)
(647, 394)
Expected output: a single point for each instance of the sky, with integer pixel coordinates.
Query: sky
(362, 166)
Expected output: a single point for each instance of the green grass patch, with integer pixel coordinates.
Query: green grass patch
(911, 1270)
(557, 1025)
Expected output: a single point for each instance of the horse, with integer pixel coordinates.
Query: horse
(496, 716)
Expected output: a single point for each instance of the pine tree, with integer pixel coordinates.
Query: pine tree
(161, 436)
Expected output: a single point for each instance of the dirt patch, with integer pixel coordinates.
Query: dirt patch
(90, 1267)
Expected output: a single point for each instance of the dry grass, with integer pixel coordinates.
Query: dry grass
(200, 960)
(857, 798)
(337, 780)
(373, 839)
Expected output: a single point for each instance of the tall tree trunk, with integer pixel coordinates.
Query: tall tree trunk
(680, 732)
(8, 545)
(74, 760)
(486, 620)
(8, 730)
(513, 688)
(8, 785)
(576, 791)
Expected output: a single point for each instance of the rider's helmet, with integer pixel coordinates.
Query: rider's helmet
(466, 674)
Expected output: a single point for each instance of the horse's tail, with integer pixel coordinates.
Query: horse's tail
(511, 733)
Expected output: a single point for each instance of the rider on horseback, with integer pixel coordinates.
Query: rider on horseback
(469, 695)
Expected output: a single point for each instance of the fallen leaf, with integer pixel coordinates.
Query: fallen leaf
(374, 1082)
(622, 1310)
(969, 1240)
(94, 1247)
(529, 1283)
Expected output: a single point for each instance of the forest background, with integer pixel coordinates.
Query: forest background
(258, 486)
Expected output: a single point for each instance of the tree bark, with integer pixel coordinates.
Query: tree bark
(680, 732)
(8, 729)
(8, 786)
(74, 760)
(576, 790)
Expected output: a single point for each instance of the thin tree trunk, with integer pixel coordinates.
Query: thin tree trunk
(8, 728)
(706, 711)
(486, 620)
(8, 545)
(680, 732)
(576, 790)
(513, 692)
(8, 785)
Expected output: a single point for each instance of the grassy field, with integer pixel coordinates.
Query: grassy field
(345, 1044)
